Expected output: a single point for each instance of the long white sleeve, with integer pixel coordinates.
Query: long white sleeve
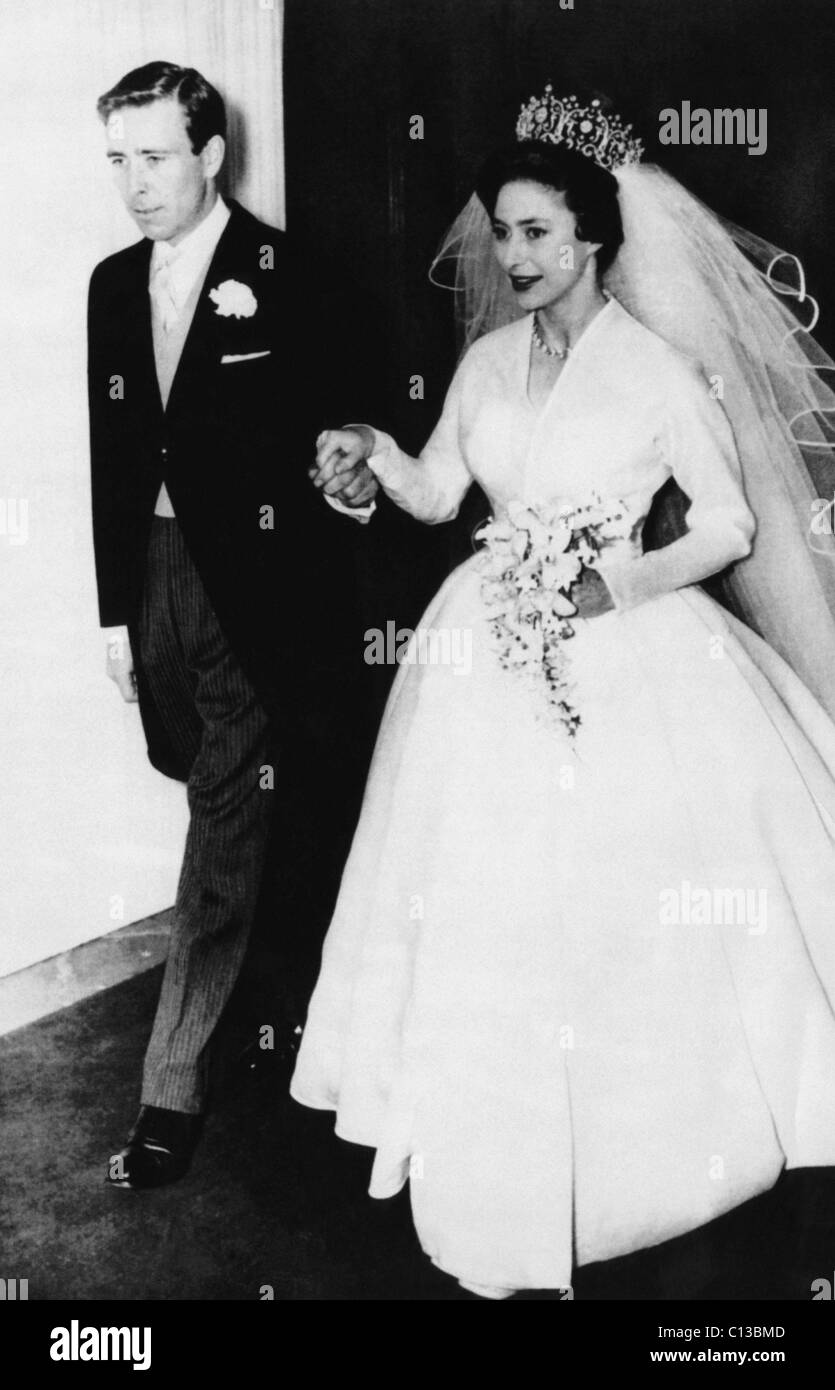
(432, 486)
(699, 446)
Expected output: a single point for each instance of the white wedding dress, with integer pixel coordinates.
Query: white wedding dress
(581, 994)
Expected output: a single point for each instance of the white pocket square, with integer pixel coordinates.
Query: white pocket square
(243, 356)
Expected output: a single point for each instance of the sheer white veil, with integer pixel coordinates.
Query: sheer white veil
(720, 295)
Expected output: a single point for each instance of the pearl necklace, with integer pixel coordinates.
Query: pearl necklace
(561, 353)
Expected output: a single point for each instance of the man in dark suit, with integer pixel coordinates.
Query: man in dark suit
(215, 357)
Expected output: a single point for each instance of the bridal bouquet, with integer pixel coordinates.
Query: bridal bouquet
(529, 563)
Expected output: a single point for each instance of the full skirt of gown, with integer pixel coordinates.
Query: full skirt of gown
(581, 994)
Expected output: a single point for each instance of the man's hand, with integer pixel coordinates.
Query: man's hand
(120, 667)
(341, 470)
(590, 595)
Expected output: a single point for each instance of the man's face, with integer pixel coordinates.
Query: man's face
(166, 187)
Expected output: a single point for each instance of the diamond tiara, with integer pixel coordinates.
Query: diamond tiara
(563, 121)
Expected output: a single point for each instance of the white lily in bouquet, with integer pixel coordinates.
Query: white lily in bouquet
(529, 563)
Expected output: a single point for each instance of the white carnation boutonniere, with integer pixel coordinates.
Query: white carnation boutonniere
(233, 298)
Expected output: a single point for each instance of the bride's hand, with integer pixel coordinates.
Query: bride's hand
(590, 595)
(341, 469)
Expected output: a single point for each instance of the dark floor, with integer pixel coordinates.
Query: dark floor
(274, 1199)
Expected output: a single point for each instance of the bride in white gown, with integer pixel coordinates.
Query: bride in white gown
(579, 988)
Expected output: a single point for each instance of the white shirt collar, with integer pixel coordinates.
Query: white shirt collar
(189, 257)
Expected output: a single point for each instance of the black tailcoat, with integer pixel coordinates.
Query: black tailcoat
(234, 439)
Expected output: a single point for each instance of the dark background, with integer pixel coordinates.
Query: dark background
(361, 191)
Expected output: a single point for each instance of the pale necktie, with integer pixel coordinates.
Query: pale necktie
(161, 287)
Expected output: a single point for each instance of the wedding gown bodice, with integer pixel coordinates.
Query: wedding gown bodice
(626, 413)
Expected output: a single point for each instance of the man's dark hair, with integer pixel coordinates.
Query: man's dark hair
(204, 110)
(591, 192)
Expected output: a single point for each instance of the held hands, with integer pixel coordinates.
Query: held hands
(120, 667)
(341, 470)
(590, 595)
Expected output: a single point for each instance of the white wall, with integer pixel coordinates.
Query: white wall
(90, 836)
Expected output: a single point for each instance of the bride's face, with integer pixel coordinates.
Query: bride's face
(536, 243)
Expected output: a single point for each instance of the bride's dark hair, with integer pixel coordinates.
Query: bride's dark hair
(591, 192)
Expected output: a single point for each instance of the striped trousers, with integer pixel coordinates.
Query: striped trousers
(218, 727)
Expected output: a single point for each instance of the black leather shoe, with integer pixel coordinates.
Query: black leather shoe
(159, 1149)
